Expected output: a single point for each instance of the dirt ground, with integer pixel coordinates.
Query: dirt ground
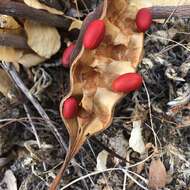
(166, 71)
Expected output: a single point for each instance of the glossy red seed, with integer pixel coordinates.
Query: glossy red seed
(143, 19)
(70, 108)
(67, 54)
(127, 83)
(94, 34)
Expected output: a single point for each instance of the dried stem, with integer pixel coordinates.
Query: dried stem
(21, 10)
(13, 40)
(113, 153)
(163, 12)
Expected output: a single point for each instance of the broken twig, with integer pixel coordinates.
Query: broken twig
(21, 10)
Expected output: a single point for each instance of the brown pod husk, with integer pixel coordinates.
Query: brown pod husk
(93, 71)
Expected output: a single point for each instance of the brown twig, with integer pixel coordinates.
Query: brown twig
(21, 10)
(162, 12)
(13, 40)
(112, 152)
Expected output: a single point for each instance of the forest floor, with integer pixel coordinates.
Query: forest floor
(166, 71)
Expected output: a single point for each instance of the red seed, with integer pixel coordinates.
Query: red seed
(70, 108)
(127, 83)
(94, 34)
(143, 19)
(67, 54)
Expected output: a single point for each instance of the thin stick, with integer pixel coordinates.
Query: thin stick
(99, 172)
(21, 10)
(108, 149)
(150, 115)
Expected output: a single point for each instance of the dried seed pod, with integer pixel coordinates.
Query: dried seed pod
(143, 19)
(67, 54)
(70, 108)
(94, 34)
(127, 83)
(92, 72)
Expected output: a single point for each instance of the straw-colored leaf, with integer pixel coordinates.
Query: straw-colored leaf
(8, 22)
(9, 54)
(76, 24)
(102, 160)
(37, 5)
(6, 84)
(136, 140)
(43, 39)
(30, 59)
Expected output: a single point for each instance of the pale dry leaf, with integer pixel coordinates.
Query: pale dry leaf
(107, 188)
(8, 22)
(6, 84)
(101, 161)
(9, 54)
(30, 59)
(136, 139)
(43, 39)
(37, 5)
(76, 24)
(157, 174)
(9, 180)
(119, 144)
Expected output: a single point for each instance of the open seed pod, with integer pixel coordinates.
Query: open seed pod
(93, 71)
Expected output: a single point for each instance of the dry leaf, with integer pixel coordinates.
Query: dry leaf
(76, 24)
(6, 84)
(30, 59)
(43, 39)
(9, 54)
(157, 174)
(136, 140)
(102, 161)
(37, 5)
(93, 71)
(9, 181)
(8, 22)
